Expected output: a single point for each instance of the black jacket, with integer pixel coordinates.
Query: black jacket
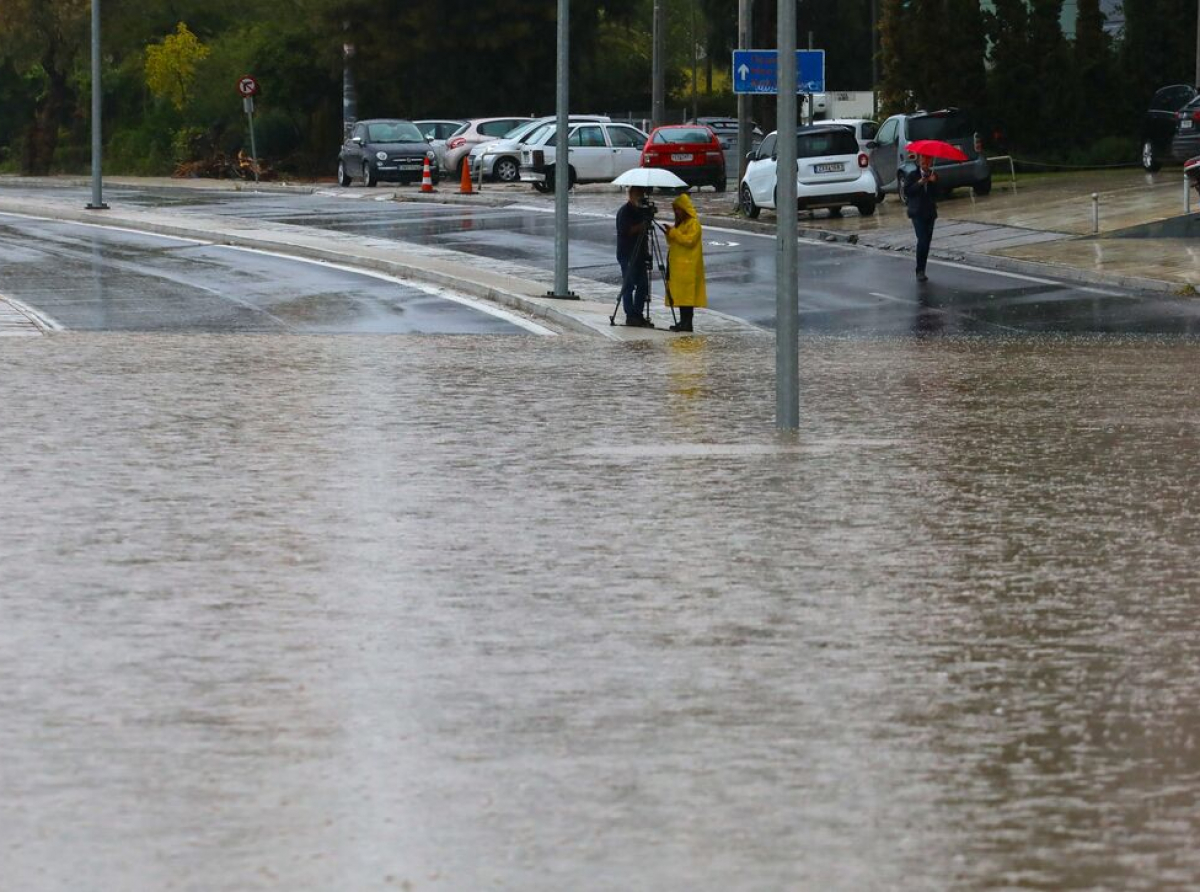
(919, 196)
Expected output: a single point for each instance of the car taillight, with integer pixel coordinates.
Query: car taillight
(715, 157)
(455, 143)
(1196, 115)
(978, 143)
(863, 160)
(649, 159)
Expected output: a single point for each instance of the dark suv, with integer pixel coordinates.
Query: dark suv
(1186, 143)
(1158, 124)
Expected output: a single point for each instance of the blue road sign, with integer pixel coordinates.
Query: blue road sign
(757, 71)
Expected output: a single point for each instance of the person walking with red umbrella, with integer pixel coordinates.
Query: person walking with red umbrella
(920, 187)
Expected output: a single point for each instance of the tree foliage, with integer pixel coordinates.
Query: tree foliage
(171, 65)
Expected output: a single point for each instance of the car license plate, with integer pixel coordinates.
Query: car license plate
(683, 157)
(828, 168)
(1185, 125)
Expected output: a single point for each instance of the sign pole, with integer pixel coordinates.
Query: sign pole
(743, 99)
(249, 104)
(787, 334)
(562, 157)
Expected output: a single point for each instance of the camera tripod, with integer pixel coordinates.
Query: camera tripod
(656, 257)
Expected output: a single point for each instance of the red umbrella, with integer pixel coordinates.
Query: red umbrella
(935, 148)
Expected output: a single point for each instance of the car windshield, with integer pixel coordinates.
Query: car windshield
(394, 131)
(944, 126)
(542, 133)
(682, 135)
(826, 142)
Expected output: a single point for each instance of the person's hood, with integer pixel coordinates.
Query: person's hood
(684, 204)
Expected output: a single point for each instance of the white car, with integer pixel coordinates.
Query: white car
(598, 153)
(501, 158)
(436, 132)
(831, 172)
(864, 130)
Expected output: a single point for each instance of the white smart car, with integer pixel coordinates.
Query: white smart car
(831, 172)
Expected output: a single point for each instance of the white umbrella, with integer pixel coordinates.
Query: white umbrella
(648, 177)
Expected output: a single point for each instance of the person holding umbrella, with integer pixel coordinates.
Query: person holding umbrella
(920, 185)
(920, 193)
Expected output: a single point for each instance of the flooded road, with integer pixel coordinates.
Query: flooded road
(309, 613)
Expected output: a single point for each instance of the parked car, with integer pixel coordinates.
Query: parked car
(501, 158)
(690, 151)
(385, 149)
(436, 133)
(726, 130)
(889, 152)
(864, 130)
(1186, 144)
(831, 172)
(475, 131)
(598, 153)
(1160, 123)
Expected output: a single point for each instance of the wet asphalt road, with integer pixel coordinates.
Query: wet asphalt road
(88, 278)
(843, 290)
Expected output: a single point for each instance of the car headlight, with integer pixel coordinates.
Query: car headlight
(382, 156)
(430, 155)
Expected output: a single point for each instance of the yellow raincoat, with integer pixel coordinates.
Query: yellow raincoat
(685, 258)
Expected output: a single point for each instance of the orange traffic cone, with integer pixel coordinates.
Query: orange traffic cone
(464, 187)
(427, 177)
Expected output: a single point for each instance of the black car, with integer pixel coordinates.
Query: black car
(1186, 143)
(1158, 124)
(385, 149)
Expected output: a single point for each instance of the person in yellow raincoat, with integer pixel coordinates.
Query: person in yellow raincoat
(685, 261)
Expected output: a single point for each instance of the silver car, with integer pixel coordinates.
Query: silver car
(890, 155)
(436, 132)
(501, 158)
(475, 131)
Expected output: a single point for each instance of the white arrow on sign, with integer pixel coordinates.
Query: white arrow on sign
(743, 71)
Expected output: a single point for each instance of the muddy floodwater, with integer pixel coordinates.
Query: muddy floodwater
(526, 613)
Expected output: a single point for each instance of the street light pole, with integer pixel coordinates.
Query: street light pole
(657, 80)
(1197, 80)
(743, 100)
(562, 160)
(97, 202)
(787, 331)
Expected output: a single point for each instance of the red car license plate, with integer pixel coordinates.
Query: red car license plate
(683, 157)
(828, 168)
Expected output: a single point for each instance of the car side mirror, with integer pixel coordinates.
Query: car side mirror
(752, 156)
(357, 140)
(871, 144)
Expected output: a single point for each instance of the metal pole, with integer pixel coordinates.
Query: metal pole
(695, 63)
(349, 93)
(1197, 80)
(657, 81)
(1095, 213)
(562, 159)
(875, 57)
(1187, 195)
(253, 148)
(787, 329)
(743, 100)
(97, 202)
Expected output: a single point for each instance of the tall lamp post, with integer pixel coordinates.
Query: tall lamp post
(562, 160)
(787, 310)
(97, 202)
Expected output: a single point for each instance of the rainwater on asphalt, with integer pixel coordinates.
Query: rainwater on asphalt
(288, 612)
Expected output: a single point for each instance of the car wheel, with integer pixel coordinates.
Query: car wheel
(835, 212)
(1150, 161)
(880, 195)
(866, 208)
(343, 177)
(544, 186)
(746, 204)
(719, 184)
(506, 170)
(983, 187)
(370, 177)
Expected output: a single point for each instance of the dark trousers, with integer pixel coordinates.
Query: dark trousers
(635, 286)
(923, 226)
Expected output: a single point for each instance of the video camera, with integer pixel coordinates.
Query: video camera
(648, 208)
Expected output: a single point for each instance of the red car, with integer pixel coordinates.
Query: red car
(690, 151)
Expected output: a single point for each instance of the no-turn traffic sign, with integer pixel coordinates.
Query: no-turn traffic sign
(247, 86)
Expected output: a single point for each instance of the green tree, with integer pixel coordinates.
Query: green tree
(44, 38)
(171, 65)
